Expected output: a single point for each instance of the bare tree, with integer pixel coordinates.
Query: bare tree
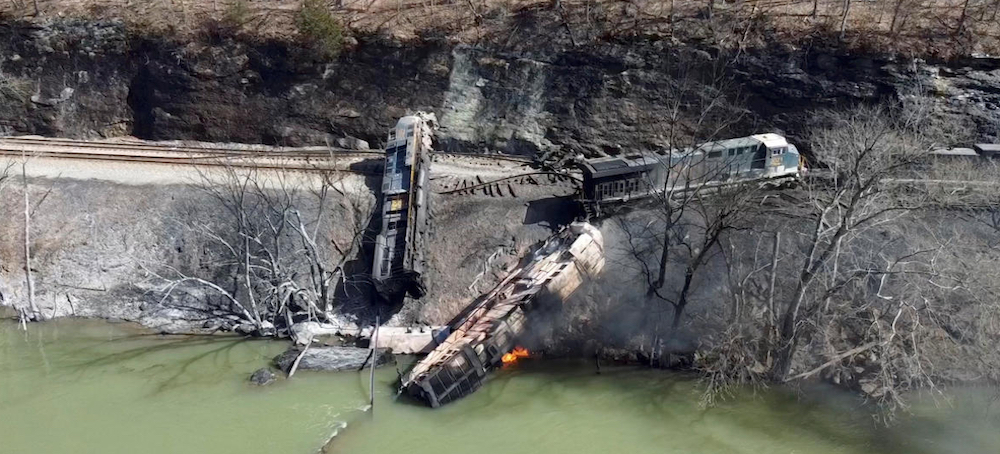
(694, 202)
(902, 10)
(862, 148)
(689, 232)
(4, 176)
(29, 211)
(737, 354)
(284, 242)
(843, 18)
(869, 275)
(960, 27)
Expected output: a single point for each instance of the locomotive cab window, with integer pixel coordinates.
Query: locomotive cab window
(714, 154)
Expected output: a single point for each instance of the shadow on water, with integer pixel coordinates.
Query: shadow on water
(165, 352)
(169, 372)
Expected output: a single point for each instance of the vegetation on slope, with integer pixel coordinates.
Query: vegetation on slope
(911, 28)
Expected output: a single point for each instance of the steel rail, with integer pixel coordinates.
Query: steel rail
(504, 179)
(163, 147)
(39, 144)
(189, 161)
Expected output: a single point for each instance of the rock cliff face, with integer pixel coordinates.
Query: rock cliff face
(91, 79)
(67, 79)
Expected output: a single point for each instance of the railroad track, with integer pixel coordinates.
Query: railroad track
(264, 157)
(504, 187)
(45, 144)
(481, 157)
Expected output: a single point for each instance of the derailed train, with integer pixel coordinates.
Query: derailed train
(615, 180)
(490, 327)
(768, 158)
(399, 258)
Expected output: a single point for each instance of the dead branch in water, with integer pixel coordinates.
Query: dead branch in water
(295, 364)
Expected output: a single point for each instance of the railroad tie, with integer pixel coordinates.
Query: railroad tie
(511, 190)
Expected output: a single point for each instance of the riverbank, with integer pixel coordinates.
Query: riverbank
(115, 251)
(93, 387)
(115, 261)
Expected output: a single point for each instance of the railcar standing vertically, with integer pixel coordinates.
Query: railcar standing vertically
(399, 259)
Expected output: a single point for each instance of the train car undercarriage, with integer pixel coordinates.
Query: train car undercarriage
(490, 327)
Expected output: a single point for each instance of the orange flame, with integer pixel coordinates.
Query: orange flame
(517, 352)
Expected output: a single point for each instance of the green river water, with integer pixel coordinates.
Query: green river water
(77, 386)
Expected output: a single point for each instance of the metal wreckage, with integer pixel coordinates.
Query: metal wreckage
(488, 329)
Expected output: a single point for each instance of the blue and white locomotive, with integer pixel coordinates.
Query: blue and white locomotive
(618, 179)
(399, 247)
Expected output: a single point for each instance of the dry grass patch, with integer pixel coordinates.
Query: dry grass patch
(939, 28)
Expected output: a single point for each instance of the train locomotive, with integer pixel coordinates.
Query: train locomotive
(399, 247)
(612, 181)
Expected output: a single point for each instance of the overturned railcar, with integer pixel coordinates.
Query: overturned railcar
(399, 247)
(491, 326)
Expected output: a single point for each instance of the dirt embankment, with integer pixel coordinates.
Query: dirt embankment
(110, 250)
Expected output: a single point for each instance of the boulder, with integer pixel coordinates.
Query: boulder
(352, 143)
(305, 332)
(266, 329)
(263, 376)
(330, 358)
(245, 328)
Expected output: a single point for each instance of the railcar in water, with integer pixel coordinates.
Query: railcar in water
(399, 247)
(618, 179)
(490, 327)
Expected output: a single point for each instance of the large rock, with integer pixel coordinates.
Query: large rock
(263, 376)
(352, 143)
(330, 358)
(404, 340)
(306, 332)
